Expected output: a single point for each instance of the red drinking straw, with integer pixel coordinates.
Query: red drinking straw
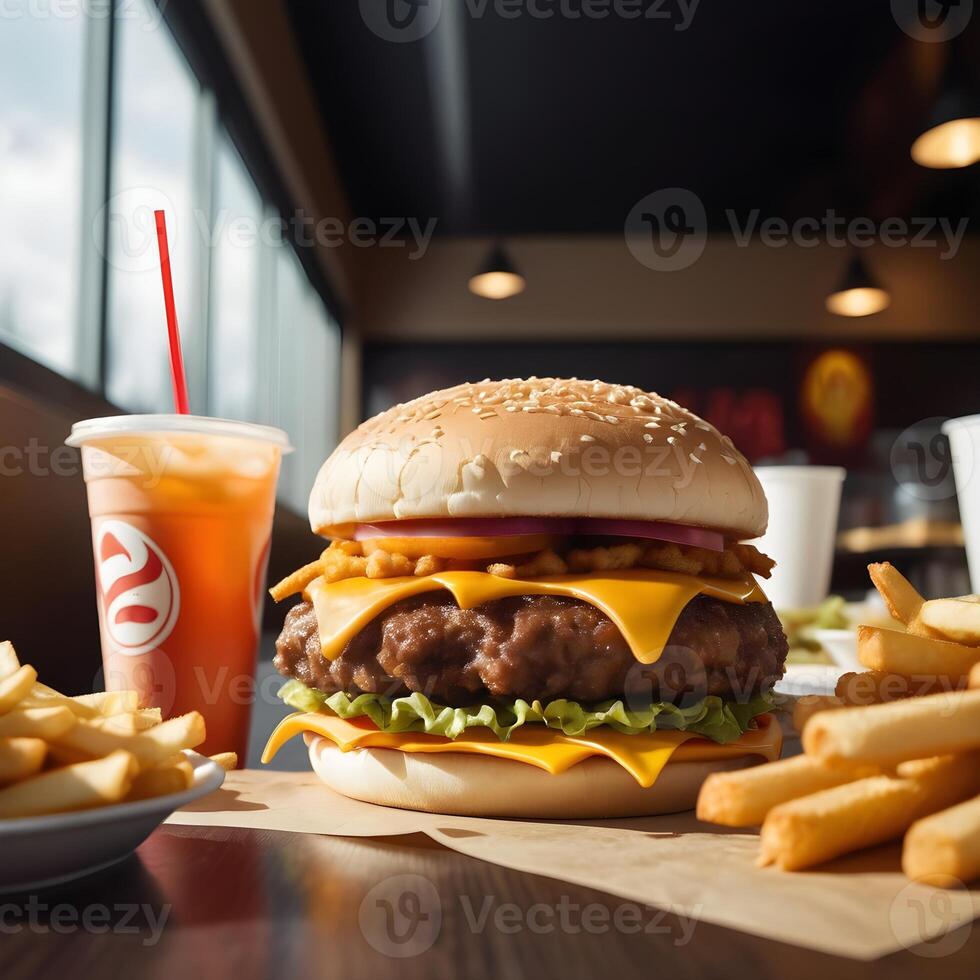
(177, 376)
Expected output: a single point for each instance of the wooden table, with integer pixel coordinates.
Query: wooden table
(204, 902)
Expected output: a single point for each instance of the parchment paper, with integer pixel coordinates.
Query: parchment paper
(861, 907)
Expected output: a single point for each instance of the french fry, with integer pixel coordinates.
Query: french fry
(46, 723)
(108, 703)
(837, 821)
(129, 723)
(955, 619)
(944, 849)
(161, 781)
(975, 677)
(884, 734)
(76, 787)
(880, 687)
(900, 596)
(892, 651)
(744, 797)
(15, 687)
(227, 760)
(61, 753)
(20, 758)
(42, 696)
(8, 659)
(149, 747)
(810, 704)
(297, 581)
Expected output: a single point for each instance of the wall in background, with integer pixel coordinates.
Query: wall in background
(590, 288)
(911, 381)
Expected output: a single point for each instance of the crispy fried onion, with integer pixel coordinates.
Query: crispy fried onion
(346, 559)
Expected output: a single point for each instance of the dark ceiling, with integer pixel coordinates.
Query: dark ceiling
(560, 125)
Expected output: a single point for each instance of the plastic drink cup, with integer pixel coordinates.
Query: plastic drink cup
(964, 445)
(803, 505)
(181, 511)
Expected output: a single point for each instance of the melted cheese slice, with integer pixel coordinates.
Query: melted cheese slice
(643, 603)
(642, 756)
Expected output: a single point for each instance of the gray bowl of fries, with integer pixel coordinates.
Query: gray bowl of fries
(84, 780)
(49, 850)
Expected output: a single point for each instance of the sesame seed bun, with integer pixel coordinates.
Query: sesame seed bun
(541, 447)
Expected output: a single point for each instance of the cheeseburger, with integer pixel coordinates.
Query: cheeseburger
(535, 602)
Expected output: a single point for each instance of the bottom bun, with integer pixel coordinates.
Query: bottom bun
(482, 786)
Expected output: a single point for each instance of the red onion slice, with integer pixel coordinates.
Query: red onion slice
(482, 527)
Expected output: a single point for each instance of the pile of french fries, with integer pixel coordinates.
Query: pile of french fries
(896, 752)
(60, 753)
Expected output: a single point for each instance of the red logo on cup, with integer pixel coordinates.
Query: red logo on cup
(138, 589)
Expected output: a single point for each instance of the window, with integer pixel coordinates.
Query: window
(259, 343)
(308, 364)
(153, 166)
(41, 74)
(235, 387)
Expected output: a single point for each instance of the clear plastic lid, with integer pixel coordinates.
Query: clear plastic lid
(113, 425)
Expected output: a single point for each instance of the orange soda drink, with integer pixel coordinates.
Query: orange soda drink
(181, 511)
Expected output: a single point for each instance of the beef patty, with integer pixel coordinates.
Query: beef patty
(542, 647)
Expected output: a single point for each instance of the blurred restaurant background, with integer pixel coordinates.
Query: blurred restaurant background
(766, 211)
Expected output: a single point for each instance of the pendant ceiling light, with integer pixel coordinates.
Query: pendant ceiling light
(498, 277)
(858, 293)
(952, 136)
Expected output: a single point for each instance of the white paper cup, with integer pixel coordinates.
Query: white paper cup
(964, 445)
(803, 506)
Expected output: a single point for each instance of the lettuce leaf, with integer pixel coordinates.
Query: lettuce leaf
(722, 721)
